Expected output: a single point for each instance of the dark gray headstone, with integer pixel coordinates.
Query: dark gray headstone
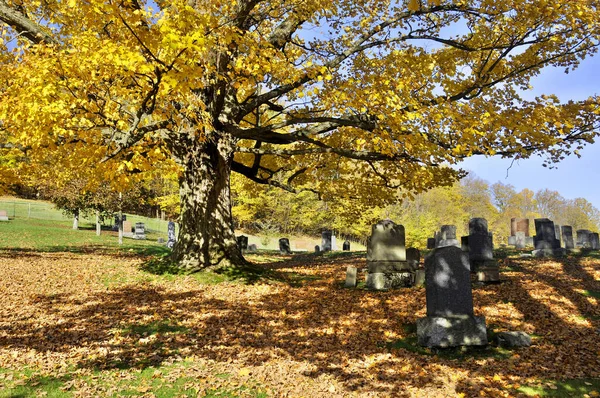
(242, 242)
(413, 257)
(545, 235)
(567, 236)
(448, 279)
(480, 243)
(317, 249)
(595, 241)
(284, 246)
(464, 243)
(346, 246)
(431, 243)
(450, 320)
(172, 238)
(584, 237)
(252, 248)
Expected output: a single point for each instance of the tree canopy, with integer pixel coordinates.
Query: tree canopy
(366, 99)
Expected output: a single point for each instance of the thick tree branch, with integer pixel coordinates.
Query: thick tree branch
(23, 25)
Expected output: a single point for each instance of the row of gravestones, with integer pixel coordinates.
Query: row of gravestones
(328, 243)
(450, 319)
(140, 231)
(547, 241)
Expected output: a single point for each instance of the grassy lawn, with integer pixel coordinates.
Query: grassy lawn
(82, 316)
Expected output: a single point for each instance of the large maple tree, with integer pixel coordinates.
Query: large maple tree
(360, 98)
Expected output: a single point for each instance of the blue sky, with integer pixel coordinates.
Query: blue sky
(574, 177)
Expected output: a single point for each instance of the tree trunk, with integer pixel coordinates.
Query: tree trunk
(98, 225)
(206, 238)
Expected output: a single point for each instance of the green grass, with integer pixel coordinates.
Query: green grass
(564, 388)
(54, 236)
(155, 380)
(591, 293)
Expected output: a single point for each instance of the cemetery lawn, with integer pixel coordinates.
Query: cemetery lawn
(81, 317)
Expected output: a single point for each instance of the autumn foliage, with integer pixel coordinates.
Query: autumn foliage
(365, 99)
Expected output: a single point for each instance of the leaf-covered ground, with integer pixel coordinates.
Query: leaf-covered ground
(95, 324)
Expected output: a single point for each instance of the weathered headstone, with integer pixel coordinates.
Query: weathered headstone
(513, 339)
(317, 249)
(284, 246)
(420, 277)
(557, 233)
(346, 246)
(386, 257)
(252, 248)
(350, 277)
(172, 238)
(3, 215)
(413, 257)
(328, 241)
(512, 240)
(127, 229)
(584, 238)
(567, 236)
(519, 225)
(140, 231)
(242, 242)
(545, 241)
(450, 320)
(447, 236)
(595, 241)
(520, 240)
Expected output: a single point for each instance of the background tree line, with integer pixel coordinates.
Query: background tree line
(259, 209)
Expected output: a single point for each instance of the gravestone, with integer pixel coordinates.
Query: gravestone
(450, 320)
(242, 242)
(172, 238)
(3, 215)
(595, 241)
(584, 238)
(127, 229)
(520, 240)
(413, 257)
(464, 243)
(519, 225)
(252, 248)
(567, 237)
(545, 241)
(447, 236)
(350, 277)
(512, 240)
(557, 234)
(346, 246)
(431, 243)
(140, 231)
(284, 246)
(328, 241)
(317, 249)
(386, 257)
(481, 251)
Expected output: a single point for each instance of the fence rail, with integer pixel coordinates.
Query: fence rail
(47, 211)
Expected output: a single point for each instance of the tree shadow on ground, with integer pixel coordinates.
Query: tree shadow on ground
(343, 333)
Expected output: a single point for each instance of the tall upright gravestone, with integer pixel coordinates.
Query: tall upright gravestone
(328, 241)
(567, 236)
(545, 241)
(450, 320)
(284, 246)
(386, 257)
(584, 238)
(595, 241)
(481, 251)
